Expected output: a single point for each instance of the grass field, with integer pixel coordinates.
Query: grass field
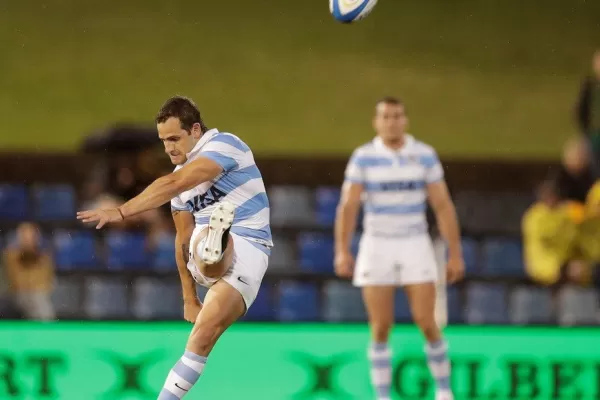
(482, 78)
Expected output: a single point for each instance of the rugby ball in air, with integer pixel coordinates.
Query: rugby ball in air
(348, 11)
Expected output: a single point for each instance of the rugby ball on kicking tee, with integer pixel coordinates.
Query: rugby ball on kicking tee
(348, 11)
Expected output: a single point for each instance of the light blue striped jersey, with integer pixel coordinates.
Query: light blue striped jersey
(240, 183)
(395, 185)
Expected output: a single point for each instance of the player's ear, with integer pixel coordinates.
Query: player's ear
(196, 130)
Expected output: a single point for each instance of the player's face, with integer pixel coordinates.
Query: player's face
(178, 142)
(390, 121)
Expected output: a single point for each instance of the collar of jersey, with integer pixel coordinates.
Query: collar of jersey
(206, 136)
(408, 142)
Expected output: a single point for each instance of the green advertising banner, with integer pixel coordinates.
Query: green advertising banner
(114, 361)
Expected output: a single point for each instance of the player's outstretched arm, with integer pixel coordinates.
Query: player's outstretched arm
(345, 226)
(445, 213)
(158, 192)
(184, 226)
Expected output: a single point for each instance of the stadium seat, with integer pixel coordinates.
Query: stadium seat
(66, 297)
(455, 307)
(298, 302)
(14, 202)
(291, 206)
(54, 202)
(75, 249)
(282, 255)
(106, 298)
(316, 252)
(503, 258)
(343, 302)
(263, 308)
(578, 306)
(471, 256)
(531, 305)
(126, 250)
(486, 304)
(163, 254)
(155, 298)
(401, 307)
(327, 199)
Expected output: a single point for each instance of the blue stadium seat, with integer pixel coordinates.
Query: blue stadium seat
(401, 307)
(471, 255)
(163, 254)
(531, 305)
(54, 202)
(486, 304)
(455, 307)
(298, 302)
(126, 250)
(14, 202)
(66, 297)
(283, 255)
(106, 298)
(153, 298)
(263, 308)
(503, 258)
(578, 306)
(75, 249)
(343, 302)
(327, 199)
(316, 252)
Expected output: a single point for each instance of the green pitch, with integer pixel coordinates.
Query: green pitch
(481, 79)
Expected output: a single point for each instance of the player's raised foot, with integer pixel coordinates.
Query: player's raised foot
(220, 221)
(444, 395)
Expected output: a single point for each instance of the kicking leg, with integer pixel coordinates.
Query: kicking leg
(223, 305)
(379, 302)
(422, 299)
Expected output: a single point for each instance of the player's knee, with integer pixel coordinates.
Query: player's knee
(204, 337)
(427, 325)
(381, 331)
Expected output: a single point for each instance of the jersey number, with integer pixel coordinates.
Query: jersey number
(209, 198)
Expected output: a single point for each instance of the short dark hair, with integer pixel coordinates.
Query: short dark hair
(390, 100)
(183, 108)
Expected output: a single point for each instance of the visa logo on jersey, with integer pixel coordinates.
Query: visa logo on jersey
(348, 11)
(204, 200)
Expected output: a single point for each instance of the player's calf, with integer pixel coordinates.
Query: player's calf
(422, 303)
(223, 305)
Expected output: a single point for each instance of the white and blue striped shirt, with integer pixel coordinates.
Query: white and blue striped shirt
(395, 185)
(240, 183)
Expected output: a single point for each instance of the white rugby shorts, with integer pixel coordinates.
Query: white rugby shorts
(395, 261)
(250, 261)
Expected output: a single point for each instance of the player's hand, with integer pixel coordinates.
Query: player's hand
(191, 309)
(102, 216)
(455, 269)
(344, 264)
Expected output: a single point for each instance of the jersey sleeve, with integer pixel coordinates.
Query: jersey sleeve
(178, 205)
(227, 151)
(355, 172)
(434, 172)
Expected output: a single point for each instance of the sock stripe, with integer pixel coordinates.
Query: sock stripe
(194, 357)
(190, 375)
(195, 365)
(383, 363)
(166, 395)
(437, 358)
(379, 346)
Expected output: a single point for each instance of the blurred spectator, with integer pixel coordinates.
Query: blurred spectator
(575, 177)
(549, 231)
(30, 273)
(588, 106)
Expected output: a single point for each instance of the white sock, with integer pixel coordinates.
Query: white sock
(439, 365)
(381, 369)
(183, 376)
